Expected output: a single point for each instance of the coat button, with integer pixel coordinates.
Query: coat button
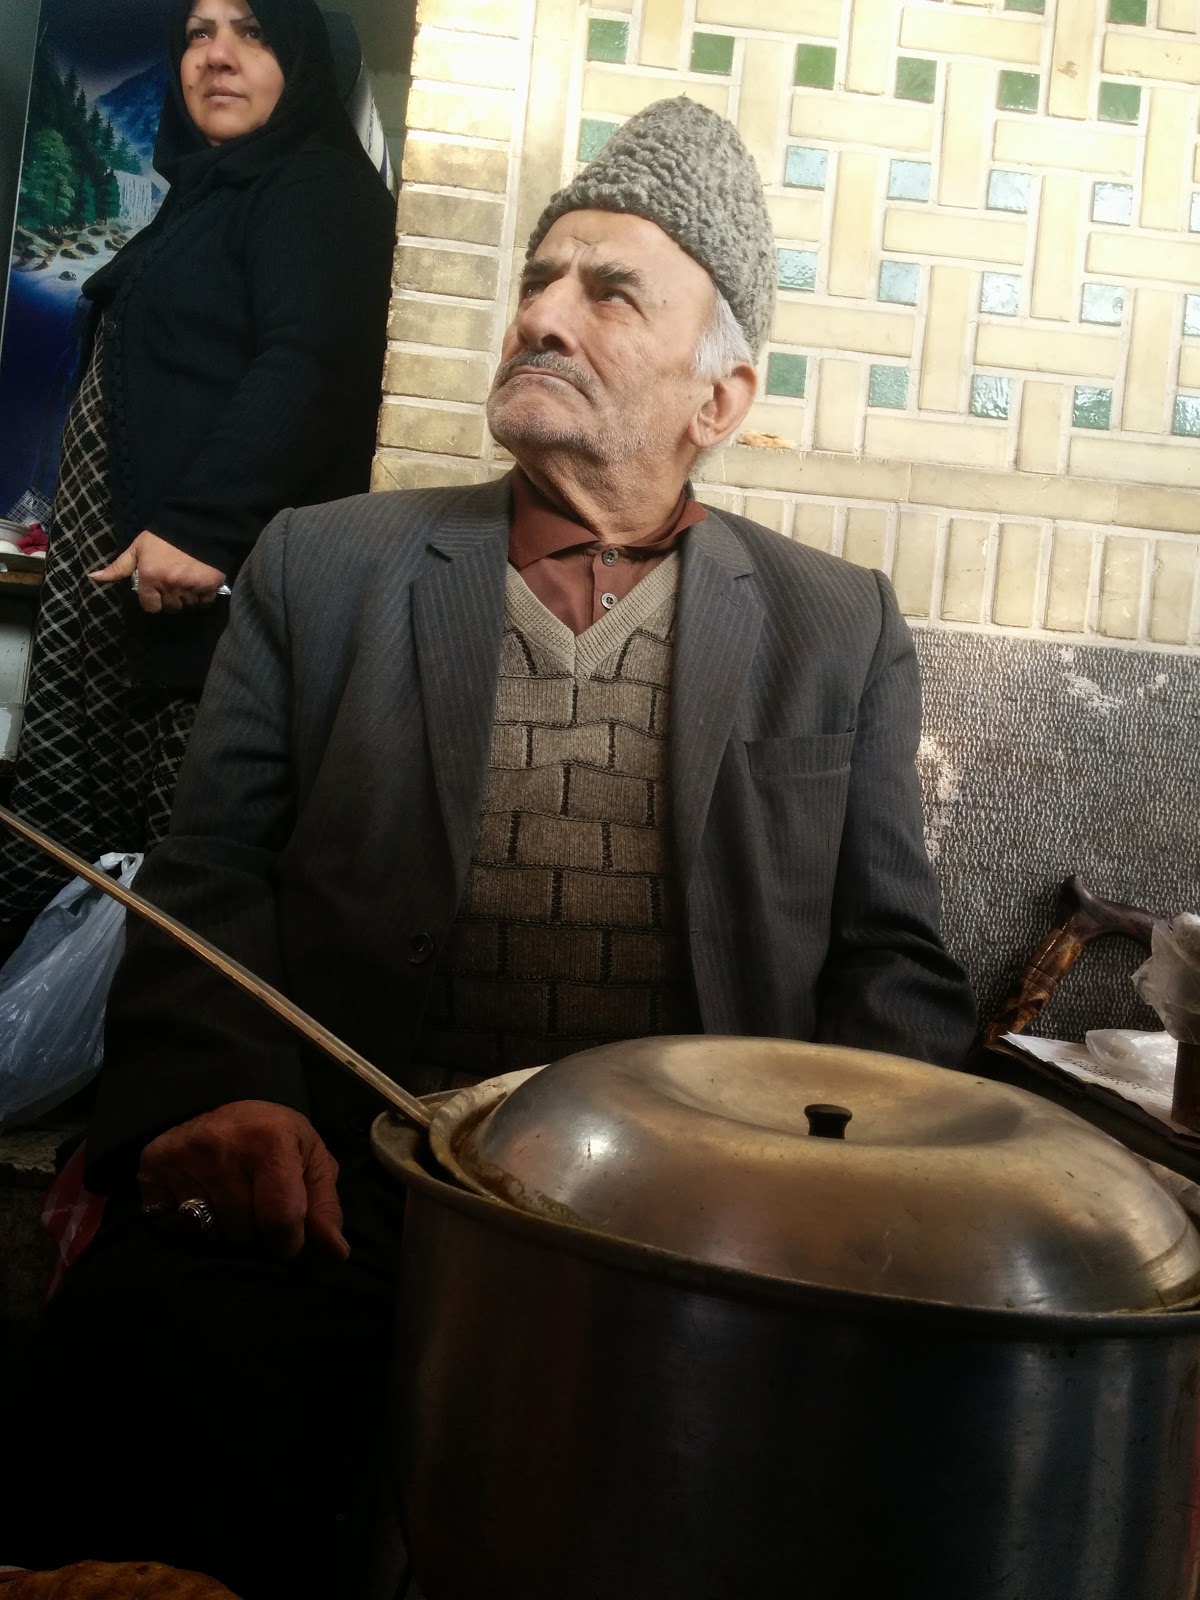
(420, 948)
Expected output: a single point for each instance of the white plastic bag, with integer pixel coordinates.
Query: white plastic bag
(53, 991)
(1170, 980)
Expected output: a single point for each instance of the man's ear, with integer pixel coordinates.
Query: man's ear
(725, 412)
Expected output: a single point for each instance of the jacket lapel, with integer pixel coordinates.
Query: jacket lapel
(458, 621)
(718, 623)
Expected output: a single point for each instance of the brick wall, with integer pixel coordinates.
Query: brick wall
(984, 372)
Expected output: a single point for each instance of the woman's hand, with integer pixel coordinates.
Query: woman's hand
(164, 577)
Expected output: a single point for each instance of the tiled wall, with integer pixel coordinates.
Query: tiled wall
(984, 373)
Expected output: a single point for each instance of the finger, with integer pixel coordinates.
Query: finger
(156, 1199)
(323, 1225)
(123, 567)
(279, 1200)
(150, 597)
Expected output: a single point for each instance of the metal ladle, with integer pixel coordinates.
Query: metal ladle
(286, 1010)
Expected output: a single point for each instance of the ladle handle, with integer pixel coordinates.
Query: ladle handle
(308, 1027)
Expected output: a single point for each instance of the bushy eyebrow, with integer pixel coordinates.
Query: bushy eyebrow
(609, 274)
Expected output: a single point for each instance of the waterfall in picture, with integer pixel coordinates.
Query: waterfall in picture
(139, 198)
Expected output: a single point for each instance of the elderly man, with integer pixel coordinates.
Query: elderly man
(484, 776)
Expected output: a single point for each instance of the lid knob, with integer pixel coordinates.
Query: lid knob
(827, 1122)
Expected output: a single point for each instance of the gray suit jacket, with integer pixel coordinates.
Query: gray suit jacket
(327, 811)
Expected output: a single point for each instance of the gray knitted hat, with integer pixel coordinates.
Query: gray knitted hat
(684, 167)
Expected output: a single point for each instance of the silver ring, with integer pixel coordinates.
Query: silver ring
(133, 580)
(196, 1214)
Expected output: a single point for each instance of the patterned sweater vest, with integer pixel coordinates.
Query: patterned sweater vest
(569, 934)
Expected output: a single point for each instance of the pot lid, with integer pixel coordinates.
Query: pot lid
(836, 1167)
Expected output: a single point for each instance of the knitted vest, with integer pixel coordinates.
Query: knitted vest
(569, 933)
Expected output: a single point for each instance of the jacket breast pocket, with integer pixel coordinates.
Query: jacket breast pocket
(807, 756)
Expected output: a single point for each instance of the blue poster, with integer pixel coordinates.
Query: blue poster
(86, 187)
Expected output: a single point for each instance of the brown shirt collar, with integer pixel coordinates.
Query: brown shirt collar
(540, 528)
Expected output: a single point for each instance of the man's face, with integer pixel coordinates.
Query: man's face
(598, 360)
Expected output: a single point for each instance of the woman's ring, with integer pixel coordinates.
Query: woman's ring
(133, 580)
(196, 1215)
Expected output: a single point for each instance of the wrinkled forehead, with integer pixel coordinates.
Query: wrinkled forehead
(616, 241)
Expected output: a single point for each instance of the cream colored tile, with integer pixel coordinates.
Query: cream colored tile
(1148, 397)
(840, 404)
(1189, 367)
(822, 327)
(1179, 16)
(414, 427)
(942, 233)
(452, 56)
(1041, 349)
(436, 377)
(394, 471)
(472, 16)
(917, 439)
(777, 418)
(1127, 256)
(813, 19)
(865, 539)
(1070, 580)
(1162, 510)
(855, 206)
(1018, 561)
(966, 131)
(1121, 587)
(1007, 37)
(1013, 494)
(762, 109)
(915, 562)
(1071, 66)
(442, 323)
(896, 125)
(1174, 582)
(545, 119)
(1137, 55)
(662, 33)
(453, 217)
(478, 113)
(721, 499)
(459, 166)
(799, 216)
(966, 567)
(1171, 129)
(812, 524)
(870, 65)
(1059, 238)
(1032, 142)
(1096, 455)
(772, 513)
(622, 93)
(1044, 409)
(946, 359)
(473, 277)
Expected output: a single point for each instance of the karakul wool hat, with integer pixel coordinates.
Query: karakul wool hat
(684, 167)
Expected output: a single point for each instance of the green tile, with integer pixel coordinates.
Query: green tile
(607, 41)
(797, 269)
(786, 374)
(1120, 102)
(816, 65)
(712, 52)
(916, 79)
(1093, 407)
(1025, 5)
(1018, 91)
(1127, 11)
(805, 168)
(990, 397)
(593, 136)
(1187, 415)
(888, 386)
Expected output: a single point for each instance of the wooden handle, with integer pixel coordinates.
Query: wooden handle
(308, 1027)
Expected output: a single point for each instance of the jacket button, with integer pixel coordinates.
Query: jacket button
(420, 949)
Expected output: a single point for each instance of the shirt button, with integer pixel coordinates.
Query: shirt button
(420, 948)
(610, 558)
(608, 601)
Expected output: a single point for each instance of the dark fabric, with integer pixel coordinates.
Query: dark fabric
(98, 757)
(569, 570)
(330, 800)
(243, 336)
(215, 1411)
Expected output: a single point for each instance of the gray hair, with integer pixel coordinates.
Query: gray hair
(722, 345)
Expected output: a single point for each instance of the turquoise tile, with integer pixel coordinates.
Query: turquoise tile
(909, 180)
(593, 136)
(607, 41)
(1120, 102)
(1093, 407)
(712, 52)
(786, 374)
(1019, 91)
(816, 65)
(1000, 294)
(990, 397)
(1187, 415)
(888, 386)
(899, 282)
(1008, 191)
(916, 78)
(1102, 302)
(1127, 11)
(804, 168)
(797, 269)
(1191, 313)
(1112, 202)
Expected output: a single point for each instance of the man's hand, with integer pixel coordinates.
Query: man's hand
(167, 578)
(264, 1170)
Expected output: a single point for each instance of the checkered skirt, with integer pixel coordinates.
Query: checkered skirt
(98, 756)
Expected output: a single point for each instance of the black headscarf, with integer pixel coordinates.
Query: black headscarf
(309, 112)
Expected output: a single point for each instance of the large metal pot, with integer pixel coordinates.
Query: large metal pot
(587, 1416)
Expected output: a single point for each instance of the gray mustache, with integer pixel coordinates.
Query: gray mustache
(543, 361)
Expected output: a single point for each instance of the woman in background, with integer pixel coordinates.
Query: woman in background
(234, 369)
